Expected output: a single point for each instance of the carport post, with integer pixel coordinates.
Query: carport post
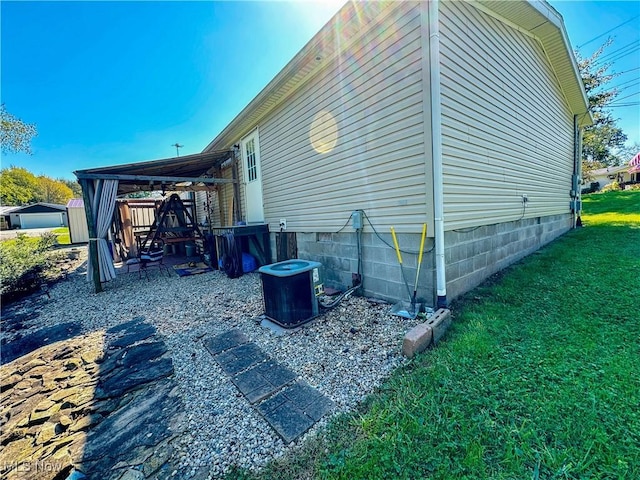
(86, 186)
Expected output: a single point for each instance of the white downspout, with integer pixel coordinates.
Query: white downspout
(579, 174)
(436, 152)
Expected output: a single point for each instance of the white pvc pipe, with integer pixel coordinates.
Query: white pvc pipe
(436, 151)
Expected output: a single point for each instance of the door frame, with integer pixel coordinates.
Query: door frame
(255, 136)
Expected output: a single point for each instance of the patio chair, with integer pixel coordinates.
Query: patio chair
(152, 256)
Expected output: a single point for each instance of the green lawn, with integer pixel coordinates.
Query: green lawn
(63, 235)
(539, 377)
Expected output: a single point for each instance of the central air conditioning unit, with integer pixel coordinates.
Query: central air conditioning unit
(290, 290)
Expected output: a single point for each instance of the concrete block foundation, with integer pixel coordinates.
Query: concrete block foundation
(471, 256)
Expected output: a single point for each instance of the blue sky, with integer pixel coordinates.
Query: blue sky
(120, 82)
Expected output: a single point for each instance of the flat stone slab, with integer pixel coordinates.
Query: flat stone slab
(38, 339)
(128, 379)
(126, 326)
(225, 341)
(140, 332)
(132, 426)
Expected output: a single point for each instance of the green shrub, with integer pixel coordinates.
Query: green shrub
(613, 186)
(22, 263)
(47, 240)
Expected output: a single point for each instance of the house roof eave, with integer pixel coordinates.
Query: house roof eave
(546, 25)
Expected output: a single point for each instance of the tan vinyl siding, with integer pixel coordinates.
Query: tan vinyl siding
(374, 92)
(506, 127)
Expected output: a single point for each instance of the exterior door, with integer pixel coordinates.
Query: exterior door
(252, 178)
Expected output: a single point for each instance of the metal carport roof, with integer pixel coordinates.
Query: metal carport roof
(191, 172)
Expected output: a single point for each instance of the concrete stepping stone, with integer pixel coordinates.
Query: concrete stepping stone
(240, 358)
(292, 411)
(290, 408)
(289, 422)
(262, 380)
(227, 340)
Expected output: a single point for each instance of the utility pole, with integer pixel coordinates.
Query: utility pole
(177, 145)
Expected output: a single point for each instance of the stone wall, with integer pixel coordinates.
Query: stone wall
(471, 255)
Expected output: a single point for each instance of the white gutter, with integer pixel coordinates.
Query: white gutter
(436, 152)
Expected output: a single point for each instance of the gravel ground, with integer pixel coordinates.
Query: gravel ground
(345, 353)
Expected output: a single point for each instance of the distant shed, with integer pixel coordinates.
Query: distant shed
(78, 229)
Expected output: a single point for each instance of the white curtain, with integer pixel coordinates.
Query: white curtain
(103, 204)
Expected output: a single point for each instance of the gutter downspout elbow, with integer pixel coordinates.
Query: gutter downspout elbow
(436, 151)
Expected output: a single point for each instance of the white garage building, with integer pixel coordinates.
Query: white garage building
(39, 215)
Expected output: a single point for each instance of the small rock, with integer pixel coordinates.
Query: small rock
(65, 421)
(85, 422)
(47, 432)
(44, 405)
(36, 418)
(36, 362)
(23, 384)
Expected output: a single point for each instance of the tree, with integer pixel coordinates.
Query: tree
(53, 191)
(74, 186)
(603, 138)
(626, 153)
(18, 186)
(15, 135)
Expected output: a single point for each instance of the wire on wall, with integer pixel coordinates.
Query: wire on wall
(345, 223)
(409, 252)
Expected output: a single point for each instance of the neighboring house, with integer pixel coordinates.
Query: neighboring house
(605, 176)
(5, 217)
(449, 113)
(39, 215)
